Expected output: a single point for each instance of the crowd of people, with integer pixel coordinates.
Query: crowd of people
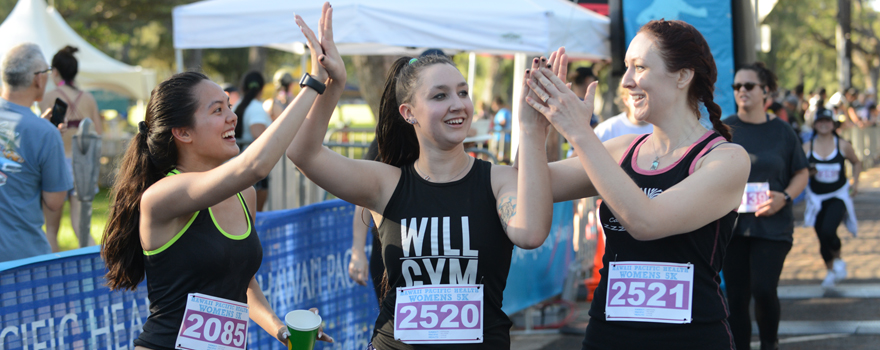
(685, 189)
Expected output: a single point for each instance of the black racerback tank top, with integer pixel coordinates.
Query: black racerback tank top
(830, 174)
(703, 247)
(201, 258)
(463, 234)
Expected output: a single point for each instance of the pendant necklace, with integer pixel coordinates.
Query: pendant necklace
(428, 178)
(656, 161)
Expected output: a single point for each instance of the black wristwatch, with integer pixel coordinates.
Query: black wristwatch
(313, 83)
(787, 197)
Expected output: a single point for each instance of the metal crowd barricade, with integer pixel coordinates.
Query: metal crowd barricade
(866, 143)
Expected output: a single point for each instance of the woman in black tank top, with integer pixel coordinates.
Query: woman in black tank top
(446, 221)
(668, 197)
(829, 201)
(182, 213)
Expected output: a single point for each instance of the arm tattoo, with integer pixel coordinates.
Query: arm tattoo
(506, 211)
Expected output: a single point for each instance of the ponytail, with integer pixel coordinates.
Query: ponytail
(150, 155)
(398, 144)
(252, 85)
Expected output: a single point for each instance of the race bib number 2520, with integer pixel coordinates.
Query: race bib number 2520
(439, 314)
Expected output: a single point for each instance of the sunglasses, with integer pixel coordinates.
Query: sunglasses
(749, 86)
(47, 70)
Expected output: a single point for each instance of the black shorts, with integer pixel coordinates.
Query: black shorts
(622, 336)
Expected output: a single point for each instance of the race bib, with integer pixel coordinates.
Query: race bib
(754, 195)
(827, 173)
(644, 291)
(212, 323)
(439, 314)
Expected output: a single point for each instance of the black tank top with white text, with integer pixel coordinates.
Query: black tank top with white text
(830, 173)
(201, 258)
(703, 247)
(445, 233)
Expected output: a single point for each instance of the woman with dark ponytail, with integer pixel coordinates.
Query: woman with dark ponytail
(252, 121)
(669, 198)
(445, 220)
(81, 105)
(763, 234)
(180, 215)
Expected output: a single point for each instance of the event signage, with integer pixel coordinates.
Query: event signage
(212, 323)
(61, 301)
(439, 314)
(644, 291)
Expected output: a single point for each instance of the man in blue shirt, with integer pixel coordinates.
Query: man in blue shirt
(501, 126)
(32, 165)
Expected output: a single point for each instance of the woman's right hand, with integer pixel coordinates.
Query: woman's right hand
(331, 60)
(315, 49)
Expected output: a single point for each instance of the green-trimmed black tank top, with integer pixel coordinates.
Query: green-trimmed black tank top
(201, 258)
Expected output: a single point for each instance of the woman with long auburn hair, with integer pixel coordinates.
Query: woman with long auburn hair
(669, 197)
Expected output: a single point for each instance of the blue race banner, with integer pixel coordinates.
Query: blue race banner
(538, 274)
(59, 301)
(713, 18)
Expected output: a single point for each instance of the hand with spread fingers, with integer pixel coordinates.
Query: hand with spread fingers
(558, 62)
(317, 71)
(559, 104)
(331, 60)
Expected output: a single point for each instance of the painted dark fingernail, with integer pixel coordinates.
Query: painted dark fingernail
(549, 66)
(321, 59)
(527, 71)
(543, 59)
(535, 60)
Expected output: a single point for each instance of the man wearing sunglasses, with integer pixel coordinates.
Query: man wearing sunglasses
(32, 166)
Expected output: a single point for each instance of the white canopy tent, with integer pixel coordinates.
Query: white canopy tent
(388, 27)
(33, 21)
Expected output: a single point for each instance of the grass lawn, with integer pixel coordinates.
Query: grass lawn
(100, 212)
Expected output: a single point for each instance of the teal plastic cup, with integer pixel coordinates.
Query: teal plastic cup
(303, 327)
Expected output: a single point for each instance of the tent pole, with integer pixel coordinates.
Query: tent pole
(472, 73)
(178, 57)
(519, 66)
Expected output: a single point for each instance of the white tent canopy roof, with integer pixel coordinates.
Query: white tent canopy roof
(32, 21)
(399, 27)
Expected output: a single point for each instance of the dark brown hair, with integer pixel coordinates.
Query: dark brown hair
(398, 144)
(66, 65)
(150, 155)
(683, 47)
(765, 75)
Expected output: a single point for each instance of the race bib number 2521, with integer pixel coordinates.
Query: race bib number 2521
(645, 291)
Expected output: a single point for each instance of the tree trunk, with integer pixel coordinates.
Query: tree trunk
(844, 44)
(257, 59)
(371, 72)
(192, 60)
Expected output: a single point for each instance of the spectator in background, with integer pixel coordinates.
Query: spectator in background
(32, 165)
(80, 105)
(283, 94)
(233, 92)
(501, 126)
(580, 80)
(849, 105)
(252, 122)
(624, 123)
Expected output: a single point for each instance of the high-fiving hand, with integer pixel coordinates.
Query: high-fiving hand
(326, 62)
(554, 99)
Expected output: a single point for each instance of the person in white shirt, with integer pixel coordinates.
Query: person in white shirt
(623, 123)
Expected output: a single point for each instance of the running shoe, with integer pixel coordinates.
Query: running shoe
(830, 279)
(839, 268)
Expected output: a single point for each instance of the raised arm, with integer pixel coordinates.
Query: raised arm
(176, 196)
(682, 208)
(355, 181)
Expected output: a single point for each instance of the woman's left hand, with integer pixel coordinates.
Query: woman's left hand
(772, 205)
(559, 104)
(331, 60)
(284, 334)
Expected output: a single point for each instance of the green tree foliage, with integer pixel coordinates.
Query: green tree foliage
(803, 44)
